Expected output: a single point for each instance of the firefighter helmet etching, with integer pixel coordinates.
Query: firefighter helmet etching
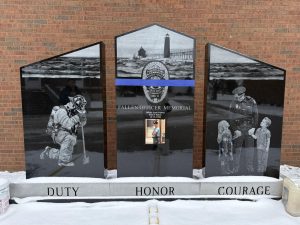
(155, 71)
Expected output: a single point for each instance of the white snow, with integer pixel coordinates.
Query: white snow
(240, 179)
(100, 180)
(14, 176)
(105, 213)
(64, 180)
(3, 183)
(291, 172)
(133, 198)
(180, 212)
(230, 212)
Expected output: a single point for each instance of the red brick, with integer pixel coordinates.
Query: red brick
(34, 30)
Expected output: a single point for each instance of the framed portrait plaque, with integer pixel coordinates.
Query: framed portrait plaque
(244, 112)
(155, 100)
(62, 114)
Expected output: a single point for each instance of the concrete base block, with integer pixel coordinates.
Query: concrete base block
(153, 187)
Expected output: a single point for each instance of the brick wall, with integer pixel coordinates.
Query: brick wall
(32, 30)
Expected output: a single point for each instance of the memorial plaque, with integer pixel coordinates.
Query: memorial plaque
(62, 114)
(155, 100)
(244, 111)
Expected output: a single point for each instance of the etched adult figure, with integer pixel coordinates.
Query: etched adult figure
(244, 118)
(62, 126)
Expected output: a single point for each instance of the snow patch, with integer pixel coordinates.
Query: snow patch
(240, 179)
(180, 212)
(291, 172)
(104, 213)
(230, 212)
(13, 177)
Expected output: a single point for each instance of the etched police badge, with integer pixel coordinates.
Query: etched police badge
(155, 71)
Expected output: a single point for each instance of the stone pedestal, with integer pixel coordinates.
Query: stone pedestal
(217, 187)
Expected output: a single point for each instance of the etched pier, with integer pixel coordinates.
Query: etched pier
(182, 54)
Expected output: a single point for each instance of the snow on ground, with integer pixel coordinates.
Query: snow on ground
(229, 212)
(104, 213)
(180, 212)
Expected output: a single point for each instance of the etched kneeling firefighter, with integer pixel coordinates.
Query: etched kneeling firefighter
(62, 126)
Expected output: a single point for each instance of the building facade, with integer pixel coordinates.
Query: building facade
(35, 30)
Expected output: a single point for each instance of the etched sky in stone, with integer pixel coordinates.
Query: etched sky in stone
(152, 39)
(220, 55)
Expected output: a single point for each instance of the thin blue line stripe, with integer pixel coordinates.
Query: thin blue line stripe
(142, 82)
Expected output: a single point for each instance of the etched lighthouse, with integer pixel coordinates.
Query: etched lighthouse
(167, 46)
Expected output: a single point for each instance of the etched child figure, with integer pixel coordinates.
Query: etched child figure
(263, 137)
(225, 147)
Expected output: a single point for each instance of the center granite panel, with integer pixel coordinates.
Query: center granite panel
(155, 100)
